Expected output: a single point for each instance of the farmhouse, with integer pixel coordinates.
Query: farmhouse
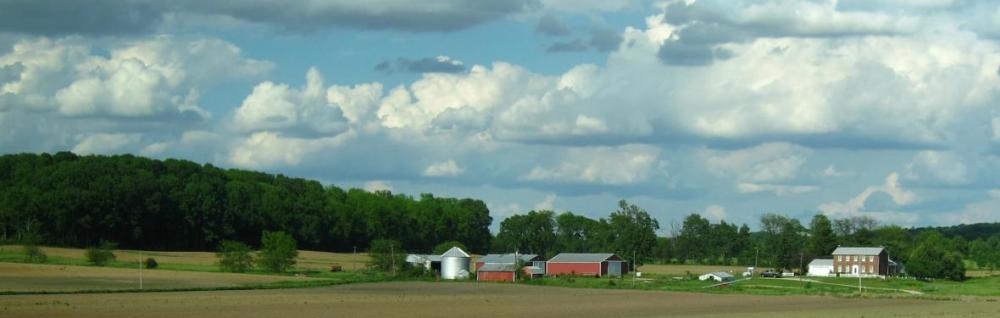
(717, 276)
(821, 267)
(861, 261)
(586, 264)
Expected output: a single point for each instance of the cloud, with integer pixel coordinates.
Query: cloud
(378, 185)
(547, 204)
(623, 165)
(439, 64)
(857, 205)
(760, 168)
(605, 40)
(714, 213)
(987, 211)
(576, 45)
(831, 171)
(551, 26)
(444, 169)
(157, 77)
(777, 189)
(302, 111)
(94, 17)
(267, 149)
(90, 17)
(102, 143)
(939, 166)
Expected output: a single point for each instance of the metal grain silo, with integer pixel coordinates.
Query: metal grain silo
(455, 264)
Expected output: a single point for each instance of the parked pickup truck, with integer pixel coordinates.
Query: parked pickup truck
(770, 274)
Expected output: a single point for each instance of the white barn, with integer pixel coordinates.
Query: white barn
(821, 267)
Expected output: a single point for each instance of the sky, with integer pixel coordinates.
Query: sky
(725, 108)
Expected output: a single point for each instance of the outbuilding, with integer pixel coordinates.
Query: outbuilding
(717, 276)
(525, 259)
(494, 272)
(586, 264)
(821, 267)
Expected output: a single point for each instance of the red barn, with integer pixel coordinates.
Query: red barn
(587, 264)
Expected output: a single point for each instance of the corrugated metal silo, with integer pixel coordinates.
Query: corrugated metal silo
(455, 264)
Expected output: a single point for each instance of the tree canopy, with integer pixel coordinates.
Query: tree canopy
(72, 200)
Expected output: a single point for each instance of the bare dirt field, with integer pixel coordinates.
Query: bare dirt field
(416, 299)
(37, 277)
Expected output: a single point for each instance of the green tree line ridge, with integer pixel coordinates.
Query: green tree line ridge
(69, 200)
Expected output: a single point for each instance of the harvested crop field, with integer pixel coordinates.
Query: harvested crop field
(416, 299)
(36, 277)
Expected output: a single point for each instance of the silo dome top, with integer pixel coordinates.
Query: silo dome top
(455, 252)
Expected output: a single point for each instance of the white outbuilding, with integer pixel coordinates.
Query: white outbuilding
(455, 264)
(717, 276)
(821, 267)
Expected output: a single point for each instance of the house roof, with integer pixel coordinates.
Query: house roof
(581, 257)
(494, 267)
(821, 262)
(858, 251)
(506, 258)
(455, 252)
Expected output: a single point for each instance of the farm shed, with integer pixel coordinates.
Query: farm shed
(526, 259)
(455, 264)
(821, 267)
(717, 276)
(495, 272)
(429, 262)
(586, 264)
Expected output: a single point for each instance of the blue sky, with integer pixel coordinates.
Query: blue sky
(729, 109)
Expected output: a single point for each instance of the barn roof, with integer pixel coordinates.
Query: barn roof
(721, 274)
(821, 262)
(455, 252)
(493, 267)
(506, 258)
(420, 258)
(582, 257)
(858, 251)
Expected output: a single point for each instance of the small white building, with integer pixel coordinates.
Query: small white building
(821, 267)
(717, 276)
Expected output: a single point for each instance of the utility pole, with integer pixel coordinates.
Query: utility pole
(800, 262)
(755, 256)
(140, 270)
(515, 266)
(392, 255)
(634, 268)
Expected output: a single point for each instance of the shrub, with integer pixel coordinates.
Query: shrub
(34, 254)
(234, 257)
(277, 252)
(102, 254)
(385, 254)
(150, 263)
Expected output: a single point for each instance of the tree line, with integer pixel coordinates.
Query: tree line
(69, 200)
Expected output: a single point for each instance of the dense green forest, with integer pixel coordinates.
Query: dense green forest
(69, 200)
